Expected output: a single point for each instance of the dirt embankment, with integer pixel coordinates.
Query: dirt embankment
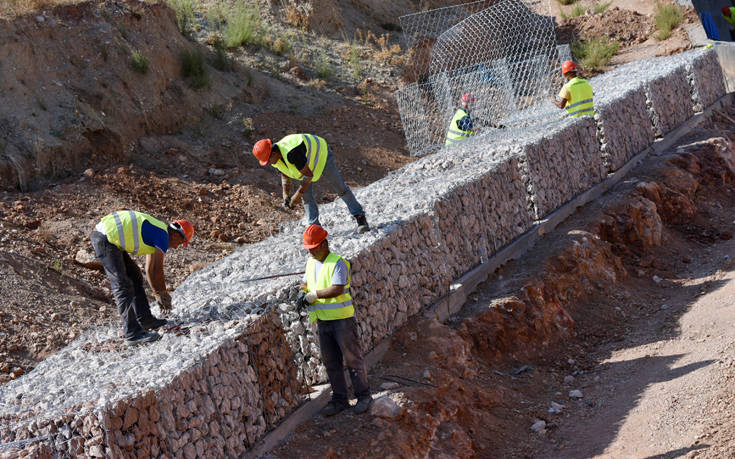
(474, 387)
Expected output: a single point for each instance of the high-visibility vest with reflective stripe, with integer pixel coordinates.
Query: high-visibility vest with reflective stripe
(339, 307)
(731, 20)
(455, 134)
(581, 94)
(123, 229)
(316, 155)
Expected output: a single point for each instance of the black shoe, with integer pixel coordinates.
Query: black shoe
(142, 338)
(362, 224)
(334, 407)
(363, 403)
(153, 323)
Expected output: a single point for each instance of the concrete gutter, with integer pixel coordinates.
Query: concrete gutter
(452, 303)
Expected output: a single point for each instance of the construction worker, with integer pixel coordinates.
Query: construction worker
(129, 232)
(327, 297)
(307, 158)
(728, 12)
(576, 95)
(462, 125)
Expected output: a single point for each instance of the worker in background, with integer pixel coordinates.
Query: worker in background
(576, 95)
(462, 125)
(728, 12)
(307, 158)
(129, 232)
(327, 297)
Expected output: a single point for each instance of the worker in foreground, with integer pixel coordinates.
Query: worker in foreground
(728, 12)
(129, 232)
(326, 294)
(307, 158)
(576, 95)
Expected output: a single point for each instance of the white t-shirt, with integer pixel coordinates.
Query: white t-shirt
(339, 277)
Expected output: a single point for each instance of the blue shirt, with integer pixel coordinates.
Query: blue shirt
(154, 236)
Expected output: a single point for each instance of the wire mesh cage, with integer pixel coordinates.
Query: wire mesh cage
(504, 53)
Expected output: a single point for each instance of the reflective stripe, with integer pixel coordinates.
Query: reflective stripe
(120, 231)
(323, 306)
(579, 103)
(460, 133)
(310, 150)
(318, 147)
(582, 111)
(136, 236)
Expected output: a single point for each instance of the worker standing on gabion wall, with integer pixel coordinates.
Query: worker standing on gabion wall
(576, 96)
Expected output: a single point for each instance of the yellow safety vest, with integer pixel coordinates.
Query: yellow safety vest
(731, 20)
(339, 307)
(316, 155)
(455, 134)
(581, 93)
(128, 224)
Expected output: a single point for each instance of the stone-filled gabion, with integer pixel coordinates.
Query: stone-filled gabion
(705, 76)
(242, 356)
(560, 163)
(670, 96)
(624, 127)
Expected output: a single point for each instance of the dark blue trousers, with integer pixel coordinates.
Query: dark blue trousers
(338, 340)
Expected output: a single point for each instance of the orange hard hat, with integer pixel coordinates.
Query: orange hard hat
(468, 98)
(185, 228)
(262, 150)
(568, 66)
(726, 11)
(313, 236)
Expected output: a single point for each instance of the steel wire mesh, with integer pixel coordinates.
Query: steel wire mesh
(504, 53)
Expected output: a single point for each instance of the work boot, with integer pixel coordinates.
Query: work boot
(153, 323)
(362, 224)
(363, 403)
(334, 407)
(142, 338)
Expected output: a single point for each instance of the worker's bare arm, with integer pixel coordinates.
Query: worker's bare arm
(306, 181)
(154, 271)
(561, 103)
(286, 184)
(331, 292)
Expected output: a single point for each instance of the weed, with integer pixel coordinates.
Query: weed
(220, 60)
(594, 52)
(601, 7)
(667, 17)
(323, 67)
(193, 68)
(248, 127)
(185, 19)
(354, 60)
(245, 26)
(217, 14)
(577, 11)
(139, 62)
(57, 266)
(282, 45)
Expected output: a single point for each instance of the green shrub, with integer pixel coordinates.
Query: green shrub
(138, 62)
(193, 68)
(184, 16)
(594, 53)
(282, 45)
(578, 10)
(244, 27)
(601, 7)
(323, 67)
(354, 60)
(666, 19)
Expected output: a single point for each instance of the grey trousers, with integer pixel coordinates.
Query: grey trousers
(127, 285)
(338, 340)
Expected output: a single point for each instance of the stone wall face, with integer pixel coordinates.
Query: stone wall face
(247, 356)
(624, 127)
(670, 96)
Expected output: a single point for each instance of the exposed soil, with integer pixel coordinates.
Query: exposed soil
(629, 302)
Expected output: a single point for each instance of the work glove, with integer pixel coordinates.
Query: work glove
(310, 297)
(164, 301)
(286, 203)
(301, 302)
(296, 199)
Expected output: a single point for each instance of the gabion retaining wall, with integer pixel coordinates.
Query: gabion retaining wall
(670, 96)
(243, 356)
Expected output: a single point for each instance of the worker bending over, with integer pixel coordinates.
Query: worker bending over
(129, 232)
(307, 158)
(327, 286)
(576, 95)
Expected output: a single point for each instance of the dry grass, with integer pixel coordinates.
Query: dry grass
(13, 8)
